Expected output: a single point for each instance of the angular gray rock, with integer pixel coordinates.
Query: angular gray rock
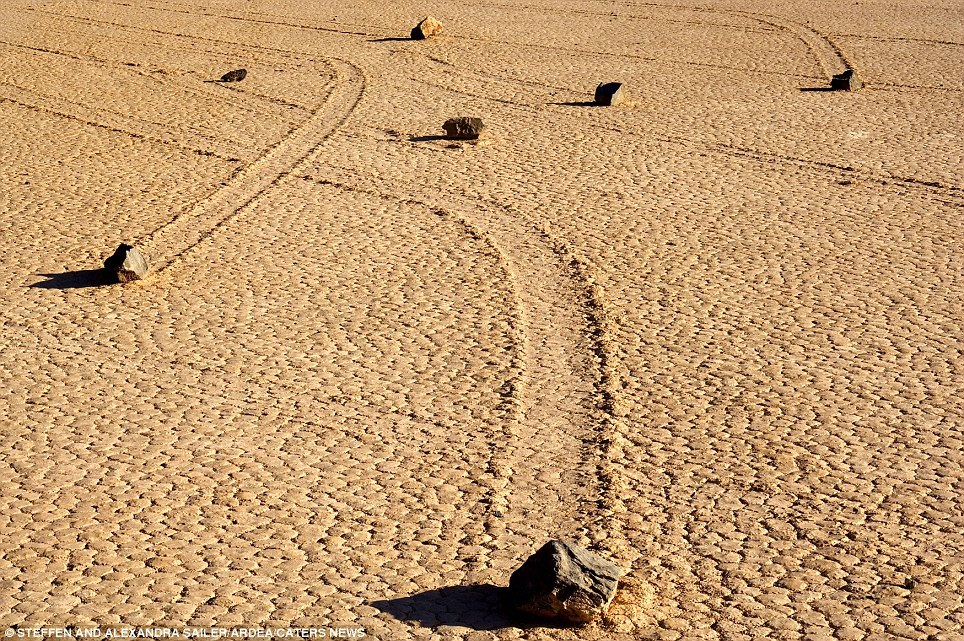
(234, 76)
(846, 81)
(127, 263)
(463, 128)
(565, 582)
(426, 29)
(610, 94)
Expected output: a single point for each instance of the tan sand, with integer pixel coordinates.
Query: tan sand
(714, 335)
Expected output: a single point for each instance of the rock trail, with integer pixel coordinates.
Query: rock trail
(187, 229)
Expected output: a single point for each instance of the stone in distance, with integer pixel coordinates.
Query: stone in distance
(234, 76)
(846, 81)
(426, 29)
(610, 94)
(463, 128)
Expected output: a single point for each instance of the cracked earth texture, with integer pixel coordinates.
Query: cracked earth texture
(714, 334)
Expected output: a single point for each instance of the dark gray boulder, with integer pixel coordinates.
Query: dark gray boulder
(463, 128)
(564, 582)
(610, 94)
(846, 81)
(234, 76)
(426, 29)
(127, 263)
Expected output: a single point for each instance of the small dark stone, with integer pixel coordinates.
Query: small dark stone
(463, 128)
(610, 94)
(426, 29)
(127, 263)
(234, 76)
(846, 81)
(564, 582)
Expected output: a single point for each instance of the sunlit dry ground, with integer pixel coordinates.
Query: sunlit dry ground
(714, 335)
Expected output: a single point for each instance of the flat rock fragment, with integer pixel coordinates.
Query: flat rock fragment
(564, 582)
(234, 76)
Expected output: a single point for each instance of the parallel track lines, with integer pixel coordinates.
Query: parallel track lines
(185, 231)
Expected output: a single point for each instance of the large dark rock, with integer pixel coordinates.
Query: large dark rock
(234, 76)
(846, 81)
(564, 582)
(426, 29)
(127, 263)
(610, 94)
(463, 128)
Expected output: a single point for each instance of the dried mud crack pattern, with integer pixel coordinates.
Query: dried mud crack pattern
(316, 461)
(713, 335)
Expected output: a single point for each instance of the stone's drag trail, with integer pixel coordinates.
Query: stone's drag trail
(489, 88)
(562, 397)
(186, 230)
(827, 54)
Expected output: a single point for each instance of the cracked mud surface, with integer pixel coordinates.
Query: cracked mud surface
(714, 335)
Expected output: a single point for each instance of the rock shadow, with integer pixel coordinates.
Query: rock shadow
(392, 39)
(77, 279)
(478, 607)
(428, 138)
(581, 103)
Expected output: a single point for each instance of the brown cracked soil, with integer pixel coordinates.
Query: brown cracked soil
(715, 335)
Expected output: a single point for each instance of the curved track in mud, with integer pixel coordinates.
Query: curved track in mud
(242, 190)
